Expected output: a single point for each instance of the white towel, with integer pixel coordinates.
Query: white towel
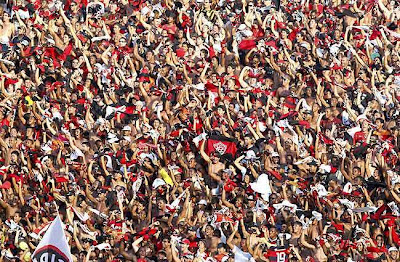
(262, 186)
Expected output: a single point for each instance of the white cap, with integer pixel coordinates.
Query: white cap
(361, 117)
(158, 182)
(392, 249)
(127, 128)
(202, 202)
(275, 154)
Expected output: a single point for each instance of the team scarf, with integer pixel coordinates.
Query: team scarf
(36, 233)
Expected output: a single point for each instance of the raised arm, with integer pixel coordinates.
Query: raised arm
(229, 241)
(203, 153)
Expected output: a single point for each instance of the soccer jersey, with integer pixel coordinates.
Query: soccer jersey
(277, 255)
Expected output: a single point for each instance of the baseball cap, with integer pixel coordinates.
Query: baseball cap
(158, 182)
(186, 241)
(392, 249)
(127, 128)
(5, 185)
(202, 202)
(275, 154)
(228, 171)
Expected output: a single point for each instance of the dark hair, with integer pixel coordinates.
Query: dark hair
(169, 13)
(15, 152)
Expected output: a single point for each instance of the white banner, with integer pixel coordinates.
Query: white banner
(54, 245)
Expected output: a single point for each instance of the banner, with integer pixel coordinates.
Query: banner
(54, 245)
(222, 145)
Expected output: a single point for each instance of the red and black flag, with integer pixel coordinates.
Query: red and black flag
(224, 146)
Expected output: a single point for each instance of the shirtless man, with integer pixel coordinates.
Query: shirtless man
(7, 29)
(214, 166)
(11, 206)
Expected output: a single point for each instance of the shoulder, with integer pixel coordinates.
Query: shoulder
(235, 249)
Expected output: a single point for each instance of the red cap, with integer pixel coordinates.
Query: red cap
(5, 185)
(186, 241)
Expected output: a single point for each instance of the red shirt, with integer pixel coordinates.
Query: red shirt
(278, 255)
(359, 137)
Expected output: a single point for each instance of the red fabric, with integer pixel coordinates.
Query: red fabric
(378, 213)
(359, 137)
(336, 67)
(6, 185)
(277, 255)
(376, 249)
(211, 52)
(67, 52)
(375, 34)
(339, 227)
(180, 52)
(395, 237)
(229, 185)
(325, 139)
(211, 87)
(276, 174)
(221, 146)
(290, 114)
(292, 35)
(305, 123)
(61, 179)
(247, 44)
(16, 177)
(175, 133)
(257, 31)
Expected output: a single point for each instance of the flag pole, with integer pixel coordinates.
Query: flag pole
(57, 208)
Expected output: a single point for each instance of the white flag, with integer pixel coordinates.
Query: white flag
(54, 245)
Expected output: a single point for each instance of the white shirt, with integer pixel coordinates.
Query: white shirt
(241, 256)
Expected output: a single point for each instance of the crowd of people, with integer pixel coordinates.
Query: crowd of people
(219, 131)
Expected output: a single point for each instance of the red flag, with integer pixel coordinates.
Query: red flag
(221, 145)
